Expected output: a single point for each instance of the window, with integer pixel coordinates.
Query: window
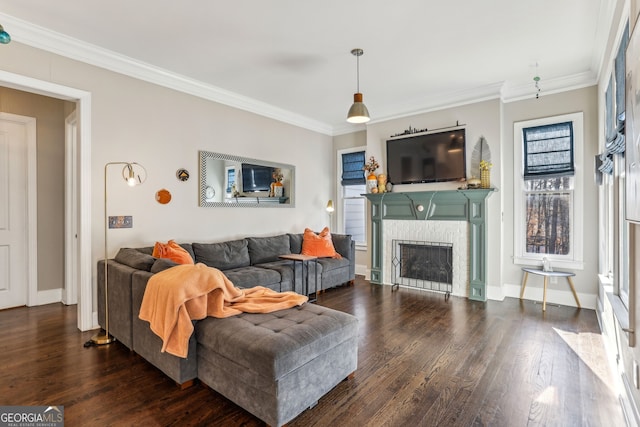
(230, 178)
(547, 191)
(352, 215)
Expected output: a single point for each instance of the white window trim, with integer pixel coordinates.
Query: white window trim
(362, 246)
(575, 261)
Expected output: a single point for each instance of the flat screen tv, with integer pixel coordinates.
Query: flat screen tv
(433, 157)
(256, 178)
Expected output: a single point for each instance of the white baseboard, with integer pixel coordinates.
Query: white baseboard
(361, 269)
(554, 296)
(94, 320)
(48, 297)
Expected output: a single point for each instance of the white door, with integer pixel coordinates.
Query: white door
(14, 276)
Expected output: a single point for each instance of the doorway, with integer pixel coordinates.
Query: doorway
(82, 168)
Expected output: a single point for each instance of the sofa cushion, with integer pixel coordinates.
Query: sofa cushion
(223, 256)
(162, 264)
(135, 259)
(267, 249)
(319, 245)
(295, 242)
(248, 277)
(274, 344)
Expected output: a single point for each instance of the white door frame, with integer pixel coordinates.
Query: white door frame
(83, 169)
(70, 291)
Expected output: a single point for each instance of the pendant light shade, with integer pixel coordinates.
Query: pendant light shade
(358, 112)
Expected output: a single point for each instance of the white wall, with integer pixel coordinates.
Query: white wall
(163, 130)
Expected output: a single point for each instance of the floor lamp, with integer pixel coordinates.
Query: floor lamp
(134, 174)
(330, 210)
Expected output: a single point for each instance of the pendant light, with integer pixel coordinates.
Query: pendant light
(358, 112)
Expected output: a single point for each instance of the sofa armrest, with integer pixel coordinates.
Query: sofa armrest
(346, 247)
(119, 293)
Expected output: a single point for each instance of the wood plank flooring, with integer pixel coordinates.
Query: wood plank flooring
(422, 361)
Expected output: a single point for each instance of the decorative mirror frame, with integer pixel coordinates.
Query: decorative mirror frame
(244, 201)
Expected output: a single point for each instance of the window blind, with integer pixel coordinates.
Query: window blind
(548, 151)
(352, 168)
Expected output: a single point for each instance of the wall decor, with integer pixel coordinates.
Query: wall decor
(163, 196)
(233, 181)
(182, 174)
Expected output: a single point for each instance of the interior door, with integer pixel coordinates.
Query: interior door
(13, 212)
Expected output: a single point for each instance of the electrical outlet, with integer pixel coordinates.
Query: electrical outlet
(636, 375)
(123, 221)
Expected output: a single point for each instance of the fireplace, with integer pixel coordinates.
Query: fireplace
(423, 265)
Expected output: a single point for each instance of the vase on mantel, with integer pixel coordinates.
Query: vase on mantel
(372, 182)
(485, 178)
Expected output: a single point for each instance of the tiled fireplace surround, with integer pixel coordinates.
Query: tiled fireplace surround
(454, 232)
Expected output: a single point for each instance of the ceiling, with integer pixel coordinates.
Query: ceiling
(291, 60)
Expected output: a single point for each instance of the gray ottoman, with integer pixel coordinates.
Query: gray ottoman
(277, 365)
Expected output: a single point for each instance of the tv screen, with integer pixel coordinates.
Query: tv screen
(433, 157)
(256, 178)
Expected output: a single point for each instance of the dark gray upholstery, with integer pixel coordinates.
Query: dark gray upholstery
(248, 277)
(129, 272)
(135, 259)
(148, 345)
(223, 256)
(276, 365)
(267, 249)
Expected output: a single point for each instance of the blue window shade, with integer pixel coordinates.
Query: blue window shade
(548, 151)
(352, 168)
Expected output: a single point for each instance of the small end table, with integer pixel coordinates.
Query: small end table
(304, 260)
(546, 275)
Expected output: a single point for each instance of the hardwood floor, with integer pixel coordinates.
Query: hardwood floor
(422, 362)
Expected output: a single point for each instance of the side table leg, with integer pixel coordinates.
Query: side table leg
(544, 295)
(575, 295)
(524, 283)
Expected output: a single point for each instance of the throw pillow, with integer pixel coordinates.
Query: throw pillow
(172, 251)
(319, 245)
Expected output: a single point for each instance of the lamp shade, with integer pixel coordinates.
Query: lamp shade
(330, 208)
(358, 112)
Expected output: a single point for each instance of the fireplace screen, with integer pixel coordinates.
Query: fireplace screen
(423, 265)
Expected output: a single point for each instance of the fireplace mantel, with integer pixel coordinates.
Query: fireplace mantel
(448, 205)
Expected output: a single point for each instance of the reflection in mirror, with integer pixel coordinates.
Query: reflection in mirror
(227, 180)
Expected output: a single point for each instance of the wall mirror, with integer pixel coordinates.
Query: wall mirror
(227, 180)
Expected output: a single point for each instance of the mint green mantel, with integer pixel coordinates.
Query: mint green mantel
(448, 205)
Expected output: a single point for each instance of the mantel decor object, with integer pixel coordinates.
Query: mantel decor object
(370, 168)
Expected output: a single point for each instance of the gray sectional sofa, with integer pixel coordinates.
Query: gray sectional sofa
(274, 365)
(247, 262)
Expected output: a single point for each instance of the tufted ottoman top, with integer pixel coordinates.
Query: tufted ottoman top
(274, 344)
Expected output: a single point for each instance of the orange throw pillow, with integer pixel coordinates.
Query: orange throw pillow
(319, 245)
(172, 251)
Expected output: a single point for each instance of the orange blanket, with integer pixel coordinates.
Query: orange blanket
(178, 295)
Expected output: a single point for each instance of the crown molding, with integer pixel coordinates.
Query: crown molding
(50, 41)
(440, 101)
(521, 91)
